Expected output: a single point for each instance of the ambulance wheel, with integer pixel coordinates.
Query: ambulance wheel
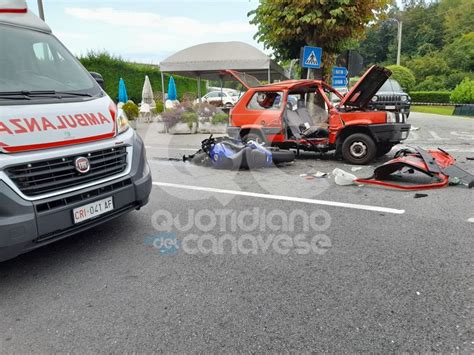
(359, 149)
(383, 149)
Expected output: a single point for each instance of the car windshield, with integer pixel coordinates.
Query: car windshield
(32, 61)
(391, 86)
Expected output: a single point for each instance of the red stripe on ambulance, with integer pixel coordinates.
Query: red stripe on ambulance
(15, 126)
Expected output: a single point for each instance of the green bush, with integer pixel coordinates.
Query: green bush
(464, 92)
(431, 64)
(131, 110)
(189, 118)
(438, 97)
(432, 83)
(403, 75)
(220, 117)
(112, 68)
(159, 107)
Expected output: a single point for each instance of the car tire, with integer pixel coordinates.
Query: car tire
(359, 149)
(383, 149)
(282, 156)
(228, 105)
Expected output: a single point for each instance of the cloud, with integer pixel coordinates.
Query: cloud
(176, 24)
(148, 36)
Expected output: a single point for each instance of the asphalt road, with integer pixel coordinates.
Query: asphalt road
(386, 271)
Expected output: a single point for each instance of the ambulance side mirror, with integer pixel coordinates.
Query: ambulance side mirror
(99, 79)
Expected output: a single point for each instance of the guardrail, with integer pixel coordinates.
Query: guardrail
(431, 104)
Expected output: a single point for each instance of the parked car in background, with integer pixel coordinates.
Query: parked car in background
(220, 98)
(391, 97)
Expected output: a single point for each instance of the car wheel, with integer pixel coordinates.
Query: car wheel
(359, 149)
(383, 149)
(228, 105)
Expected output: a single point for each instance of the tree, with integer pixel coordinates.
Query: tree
(458, 18)
(460, 53)
(287, 25)
(403, 75)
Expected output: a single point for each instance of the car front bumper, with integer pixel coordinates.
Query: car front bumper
(26, 225)
(390, 132)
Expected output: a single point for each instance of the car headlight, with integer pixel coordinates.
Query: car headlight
(122, 121)
(403, 98)
(391, 117)
(375, 98)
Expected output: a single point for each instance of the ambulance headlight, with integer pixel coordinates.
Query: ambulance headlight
(391, 117)
(122, 121)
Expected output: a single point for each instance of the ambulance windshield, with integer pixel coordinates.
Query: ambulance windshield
(32, 61)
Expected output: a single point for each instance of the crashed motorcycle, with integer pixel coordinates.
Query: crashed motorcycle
(229, 153)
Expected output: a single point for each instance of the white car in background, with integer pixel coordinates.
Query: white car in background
(221, 98)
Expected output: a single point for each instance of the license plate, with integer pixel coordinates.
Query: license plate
(92, 210)
(390, 107)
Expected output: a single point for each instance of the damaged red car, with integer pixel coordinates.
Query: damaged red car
(278, 115)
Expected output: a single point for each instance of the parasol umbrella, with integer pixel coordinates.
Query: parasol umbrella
(122, 92)
(172, 95)
(147, 93)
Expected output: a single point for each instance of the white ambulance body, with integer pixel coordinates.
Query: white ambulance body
(68, 158)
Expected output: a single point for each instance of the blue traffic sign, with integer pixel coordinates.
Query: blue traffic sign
(339, 71)
(339, 76)
(311, 57)
(339, 82)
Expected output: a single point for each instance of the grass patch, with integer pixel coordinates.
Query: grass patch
(439, 110)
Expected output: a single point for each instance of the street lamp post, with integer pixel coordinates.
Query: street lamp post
(41, 9)
(399, 31)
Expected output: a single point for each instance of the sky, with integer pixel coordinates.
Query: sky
(147, 31)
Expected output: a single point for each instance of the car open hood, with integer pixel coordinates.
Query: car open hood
(368, 85)
(247, 80)
(42, 126)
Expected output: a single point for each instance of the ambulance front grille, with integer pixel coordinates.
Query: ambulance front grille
(49, 176)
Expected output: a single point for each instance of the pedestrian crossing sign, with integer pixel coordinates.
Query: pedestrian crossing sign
(311, 57)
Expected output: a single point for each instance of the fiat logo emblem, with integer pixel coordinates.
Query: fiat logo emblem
(82, 165)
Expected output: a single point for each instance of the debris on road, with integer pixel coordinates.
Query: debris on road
(412, 169)
(418, 195)
(414, 128)
(436, 165)
(356, 168)
(469, 158)
(343, 178)
(318, 174)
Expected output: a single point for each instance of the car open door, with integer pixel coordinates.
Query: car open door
(247, 80)
(367, 86)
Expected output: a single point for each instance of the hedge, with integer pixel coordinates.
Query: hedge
(436, 97)
(113, 68)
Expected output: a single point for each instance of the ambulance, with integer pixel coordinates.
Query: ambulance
(68, 159)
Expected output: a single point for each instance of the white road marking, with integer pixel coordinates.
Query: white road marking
(170, 148)
(471, 220)
(283, 198)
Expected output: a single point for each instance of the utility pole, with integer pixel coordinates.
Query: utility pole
(399, 50)
(41, 9)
